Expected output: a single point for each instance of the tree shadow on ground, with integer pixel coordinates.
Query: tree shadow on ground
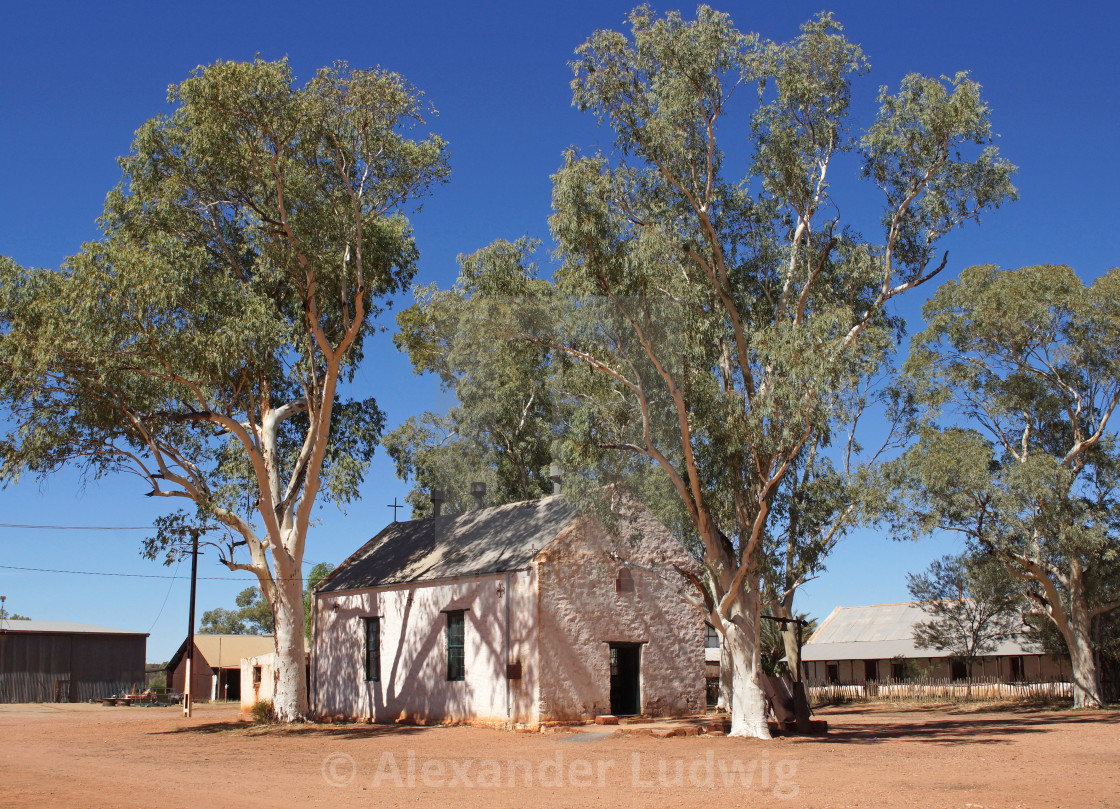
(950, 730)
(961, 709)
(355, 730)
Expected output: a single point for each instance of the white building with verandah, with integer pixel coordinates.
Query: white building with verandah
(876, 643)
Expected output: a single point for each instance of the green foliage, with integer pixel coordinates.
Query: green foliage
(256, 235)
(253, 616)
(158, 682)
(247, 253)
(262, 712)
(1028, 362)
(973, 604)
(502, 426)
(316, 575)
(720, 323)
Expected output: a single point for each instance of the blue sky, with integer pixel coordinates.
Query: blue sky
(76, 79)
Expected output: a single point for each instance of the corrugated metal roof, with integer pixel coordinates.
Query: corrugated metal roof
(878, 632)
(65, 627)
(491, 540)
(225, 651)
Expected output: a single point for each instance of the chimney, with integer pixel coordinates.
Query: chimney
(478, 491)
(555, 476)
(436, 496)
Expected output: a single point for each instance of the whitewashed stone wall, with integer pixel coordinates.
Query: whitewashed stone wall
(253, 689)
(581, 613)
(413, 685)
(563, 612)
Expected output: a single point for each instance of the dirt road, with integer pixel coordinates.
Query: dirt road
(94, 756)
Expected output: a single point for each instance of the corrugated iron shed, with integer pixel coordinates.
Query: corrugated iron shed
(59, 661)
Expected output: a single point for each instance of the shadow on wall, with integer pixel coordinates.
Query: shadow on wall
(412, 684)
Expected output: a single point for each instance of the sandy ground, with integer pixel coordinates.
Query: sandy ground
(95, 756)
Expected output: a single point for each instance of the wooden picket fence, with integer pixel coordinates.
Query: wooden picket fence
(937, 689)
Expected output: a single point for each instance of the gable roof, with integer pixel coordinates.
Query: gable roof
(225, 651)
(491, 540)
(65, 627)
(880, 632)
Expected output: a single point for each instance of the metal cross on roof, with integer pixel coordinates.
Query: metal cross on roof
(395, 505)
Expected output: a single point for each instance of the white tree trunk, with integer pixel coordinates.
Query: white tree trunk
(740, 647)
(1086, 678)
(1075, 626)
(290, 700)
(725, 684)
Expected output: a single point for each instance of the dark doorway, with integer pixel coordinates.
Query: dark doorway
(871, 671)
(1016, 668)
(958, 670)
(229, 684)
(625, 679)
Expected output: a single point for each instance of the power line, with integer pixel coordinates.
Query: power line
(80, 527)
(131, 575)
(124, 575)
(170, 587)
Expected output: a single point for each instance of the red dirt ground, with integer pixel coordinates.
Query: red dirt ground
(95, 756)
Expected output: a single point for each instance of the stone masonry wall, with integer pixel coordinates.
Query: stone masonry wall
(581, 613)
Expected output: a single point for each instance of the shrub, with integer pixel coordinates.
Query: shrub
(262, 712)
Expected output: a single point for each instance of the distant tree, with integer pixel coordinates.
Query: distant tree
(156, 674)
(316, 575)
(973, 604)
(1023, 368)
(253, 615)
(12, 616)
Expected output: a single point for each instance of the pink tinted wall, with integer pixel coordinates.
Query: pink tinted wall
(581, 613)
(413, 683)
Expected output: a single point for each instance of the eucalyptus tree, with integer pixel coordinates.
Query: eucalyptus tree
(1023, 370)
(252, 616)
(202, 343)
(501, 427)
(714, 310)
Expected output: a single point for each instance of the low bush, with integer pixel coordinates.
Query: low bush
(262, 712)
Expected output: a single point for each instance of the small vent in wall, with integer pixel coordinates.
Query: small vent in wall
(624, 583)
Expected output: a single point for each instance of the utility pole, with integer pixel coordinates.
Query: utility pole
(188, 690)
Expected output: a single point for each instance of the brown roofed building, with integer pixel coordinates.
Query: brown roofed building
(217, 665)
